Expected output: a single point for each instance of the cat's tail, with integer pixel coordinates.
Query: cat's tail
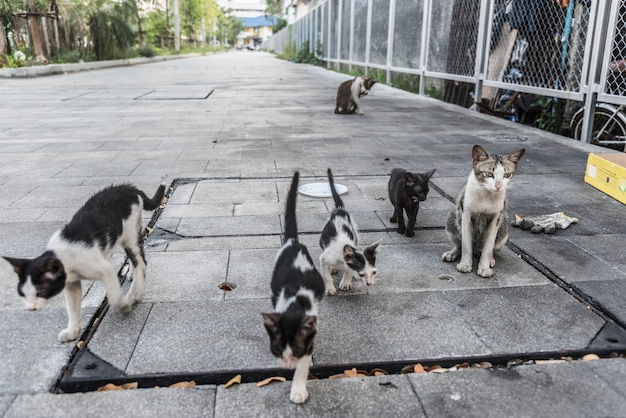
(155, 202)
(291, 226)
(336, 198)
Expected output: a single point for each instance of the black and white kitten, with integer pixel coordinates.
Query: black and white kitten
(297, 289)
(339, 244)
(406, 191)
(349, 92)
(80, 251)
(478, 225)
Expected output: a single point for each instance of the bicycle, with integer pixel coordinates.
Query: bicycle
(609, 121)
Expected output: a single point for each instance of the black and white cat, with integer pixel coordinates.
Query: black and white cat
(339, 244)
(478, 225)
(80, 251)
(349, 93)
(297, 289)
(406, 191)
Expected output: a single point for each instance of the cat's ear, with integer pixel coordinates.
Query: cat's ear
(371, 251)
(479, 154)
(348, 252)
(514, 157)
(271, 321)
(53, 268)
(17, 263)
(308, 326)
(429, 174)
(408, 178)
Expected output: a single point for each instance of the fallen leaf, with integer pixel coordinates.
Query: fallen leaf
(80, 344)
(446, 277)
(351, 373)
(377, 372)
(269, 380)
(590, 357)
(149, 229)
(418, 368)
(462, 366)
(111, 386)
(234, 380)
(439, 370)
(336, 376)
(185, 385)
(433, 368)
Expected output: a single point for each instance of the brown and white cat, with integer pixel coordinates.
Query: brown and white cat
(478, 225)
(349, 93)
(297, 289)
(80, 251)
(339, 241)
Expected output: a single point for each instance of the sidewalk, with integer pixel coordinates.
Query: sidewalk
(225, 133)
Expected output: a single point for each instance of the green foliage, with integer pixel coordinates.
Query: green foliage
(9, 61)
(112, 36)
(547, 119)
(280, 24)
(146, 51)
(407, 82)
(304, 56)
(72, 56)
(229, 26)
(289, 52)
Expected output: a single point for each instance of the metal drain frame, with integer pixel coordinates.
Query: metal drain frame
(609, 342)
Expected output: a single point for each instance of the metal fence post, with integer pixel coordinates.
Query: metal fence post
(390, 36)
(368, 37)
(351, 46)
(424, 45)
(483, 40)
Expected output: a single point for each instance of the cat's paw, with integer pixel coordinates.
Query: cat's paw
(331, 291)
(450, 256)
(345, 286)
(393, 220)
(298, 395)
(485, 272)
(464, 268)
(409, 233)
(401, 231)
(126, 305)
(68, 334)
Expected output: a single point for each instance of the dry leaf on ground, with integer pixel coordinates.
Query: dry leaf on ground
(269, 380)
(111, 386)
(589, 357)
(233, 381)
(185, 385)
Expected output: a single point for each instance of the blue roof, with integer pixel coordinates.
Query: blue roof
(259, 21)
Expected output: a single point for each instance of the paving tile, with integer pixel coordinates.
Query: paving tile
(356, 397)
(530, 319)
(146, 403)
(551, 390)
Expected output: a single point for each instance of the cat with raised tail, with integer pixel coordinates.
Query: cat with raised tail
(297, 289)
(349, 94)
(80, 251)
(478, 224)
(339, 241)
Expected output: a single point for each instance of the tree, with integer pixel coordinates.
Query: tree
(230, 26)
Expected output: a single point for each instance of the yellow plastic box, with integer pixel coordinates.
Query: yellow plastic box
(607, 173)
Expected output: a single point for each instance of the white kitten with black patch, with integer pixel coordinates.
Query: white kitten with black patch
(340, 254)
(81, 249)
(297, 289)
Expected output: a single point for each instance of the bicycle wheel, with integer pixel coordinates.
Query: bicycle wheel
(614, 133)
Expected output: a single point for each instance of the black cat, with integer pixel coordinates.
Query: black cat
(406, 190)
(297, 289)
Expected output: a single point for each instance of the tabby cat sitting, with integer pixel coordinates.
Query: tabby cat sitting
(478, 224)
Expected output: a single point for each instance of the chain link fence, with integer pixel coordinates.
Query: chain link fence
(491, 54)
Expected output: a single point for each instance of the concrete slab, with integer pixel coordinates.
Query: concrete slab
(140, 402)
(356, 397)
(550, 390)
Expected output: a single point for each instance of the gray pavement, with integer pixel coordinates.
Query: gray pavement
(226, 132)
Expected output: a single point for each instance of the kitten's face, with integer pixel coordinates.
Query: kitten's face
(291, 336)
(362, 264)
(416, 185)
(39, 279)
(494, 172)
